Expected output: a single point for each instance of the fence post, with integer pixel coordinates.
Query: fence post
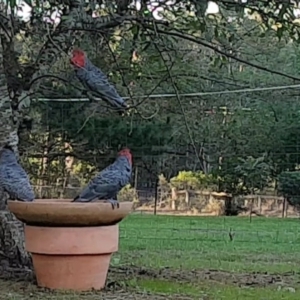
(284, 207)
(156, 195)
(259, 203)
(136, 177)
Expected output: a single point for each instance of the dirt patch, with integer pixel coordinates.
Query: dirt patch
(16, 274)
(239, 279)
(20, 284)
(26, 291)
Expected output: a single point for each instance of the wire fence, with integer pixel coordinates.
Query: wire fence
(206, 246)
(180, 234)
(183, 239)
(189, 202)
(209, 93)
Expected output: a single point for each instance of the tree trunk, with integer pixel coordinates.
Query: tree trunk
(12, 250)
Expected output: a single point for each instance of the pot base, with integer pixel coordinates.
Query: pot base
(71, 258)
(71, 272)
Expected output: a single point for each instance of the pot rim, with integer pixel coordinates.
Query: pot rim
(62, 213)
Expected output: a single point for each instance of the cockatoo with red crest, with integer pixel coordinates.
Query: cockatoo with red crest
(95, 80)
(107, 183)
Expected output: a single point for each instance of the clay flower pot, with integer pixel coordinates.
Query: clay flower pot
(71, 243)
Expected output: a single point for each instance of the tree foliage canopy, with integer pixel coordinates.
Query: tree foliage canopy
(245, 139)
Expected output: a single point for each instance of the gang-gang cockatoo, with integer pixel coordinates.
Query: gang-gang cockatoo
(107, 183)
(95, 81)
(13, 178)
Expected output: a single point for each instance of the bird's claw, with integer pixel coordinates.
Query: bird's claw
(114, 203)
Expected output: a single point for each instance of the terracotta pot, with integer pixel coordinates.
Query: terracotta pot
(63, 212)
(70, 243)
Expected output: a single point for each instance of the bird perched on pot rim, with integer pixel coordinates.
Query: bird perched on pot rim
(107, 183)
(95, 80)
(13, 178)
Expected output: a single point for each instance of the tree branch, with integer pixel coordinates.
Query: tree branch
(215, 49)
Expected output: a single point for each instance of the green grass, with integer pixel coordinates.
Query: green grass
(171, 257)
(209, 290)
(264, 245)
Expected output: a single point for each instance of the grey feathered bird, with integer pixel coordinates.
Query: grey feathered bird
(107, 183)
(95, 80)
(13, 178)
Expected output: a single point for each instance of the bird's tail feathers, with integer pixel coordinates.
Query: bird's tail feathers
(8, 147)
(76, 198)
(85, 197)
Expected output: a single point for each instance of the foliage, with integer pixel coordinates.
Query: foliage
(184, 51)
(289, 187)
(244, 176)
(100, 132)
(128, 193)
(193, 180)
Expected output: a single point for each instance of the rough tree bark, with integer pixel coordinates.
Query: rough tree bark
(11, 232)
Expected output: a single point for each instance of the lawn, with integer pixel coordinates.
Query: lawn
(168, 257)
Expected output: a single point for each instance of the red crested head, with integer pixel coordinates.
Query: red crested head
(78, 58)
(126, 152)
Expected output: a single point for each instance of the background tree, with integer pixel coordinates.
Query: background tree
(184, 50)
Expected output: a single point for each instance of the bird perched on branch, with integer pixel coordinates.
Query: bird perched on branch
(13, 178)
(96, 81)
(107, 183)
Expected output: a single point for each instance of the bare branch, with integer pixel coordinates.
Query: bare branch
(207, 45)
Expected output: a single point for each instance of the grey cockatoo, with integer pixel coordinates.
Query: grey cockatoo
(95, 80)
(107, 183)
(13, 178)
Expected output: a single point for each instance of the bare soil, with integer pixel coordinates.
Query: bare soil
(239, 279)
(21, 284)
